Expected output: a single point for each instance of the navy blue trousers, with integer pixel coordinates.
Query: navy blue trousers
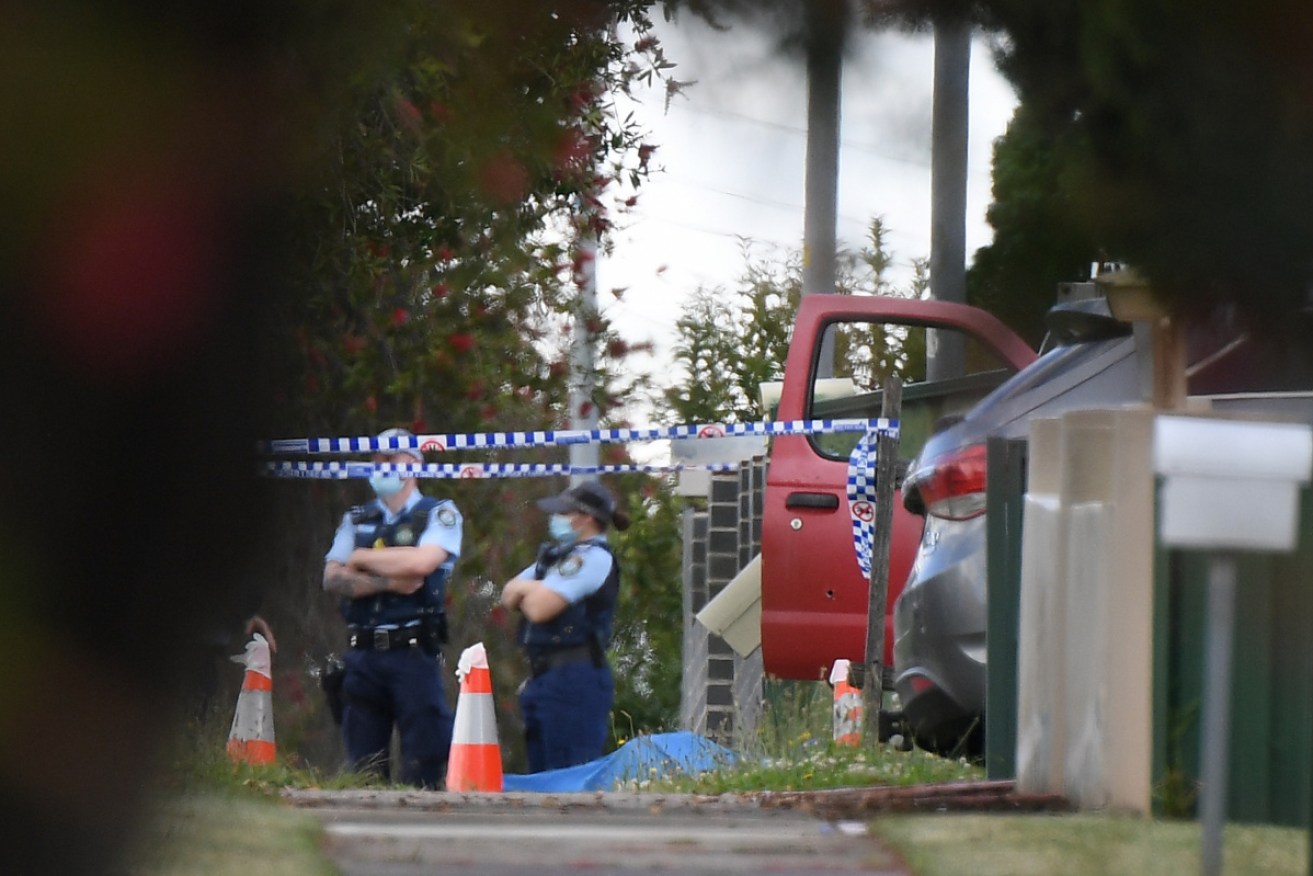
(567, 713)
(402, 687)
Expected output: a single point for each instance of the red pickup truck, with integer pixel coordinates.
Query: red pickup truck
(814, 595)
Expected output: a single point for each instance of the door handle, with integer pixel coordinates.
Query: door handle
(824, 501)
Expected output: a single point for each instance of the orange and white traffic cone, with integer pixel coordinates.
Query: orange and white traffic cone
(847, 706)
(251, 739)
(475, 761)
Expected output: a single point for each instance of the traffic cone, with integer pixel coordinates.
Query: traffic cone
(251, 739)
(847, 706)
(475, 761)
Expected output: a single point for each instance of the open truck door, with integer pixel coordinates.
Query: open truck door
(814, 595)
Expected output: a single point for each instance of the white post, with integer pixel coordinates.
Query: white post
(583, 412)
(1216, 729)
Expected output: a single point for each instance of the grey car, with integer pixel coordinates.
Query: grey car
(940, 618)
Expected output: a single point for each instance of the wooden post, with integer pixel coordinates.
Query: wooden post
(1131, 300)
(886, 471)
(1169, 387)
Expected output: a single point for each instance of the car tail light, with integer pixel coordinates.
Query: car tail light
(952, 486)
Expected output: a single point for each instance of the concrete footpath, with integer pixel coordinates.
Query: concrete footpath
(412, 833)
(407, 833)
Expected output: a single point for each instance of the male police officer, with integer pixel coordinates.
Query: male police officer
(568, 600)
(389, 563)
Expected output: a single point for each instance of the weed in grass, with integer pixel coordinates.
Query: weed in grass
(1177, 793)
(621, 737)
(197, 760)
(792, 749)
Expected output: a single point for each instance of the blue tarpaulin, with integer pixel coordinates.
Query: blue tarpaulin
(639, 760)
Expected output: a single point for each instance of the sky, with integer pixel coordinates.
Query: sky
(730, 164)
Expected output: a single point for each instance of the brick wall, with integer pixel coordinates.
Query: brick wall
(693, 702)
(721, 697)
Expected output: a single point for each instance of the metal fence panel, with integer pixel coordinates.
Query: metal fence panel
(1271, 750)
(1004, 501)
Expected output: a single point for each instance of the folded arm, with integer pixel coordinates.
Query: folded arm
(344, 580)
(415, 561)
(531, 598)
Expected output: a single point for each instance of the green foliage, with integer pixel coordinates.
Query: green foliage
(731, 343)
(467, 151)
(728, 346)
(826, 765)
(1038, 239)
(1177, 793)
(647, 646)
(1181, 139)
(475, 144)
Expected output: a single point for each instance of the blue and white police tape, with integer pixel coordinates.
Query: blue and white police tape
(861, 498)
(494, 440)
(344, 470)
(860, 481)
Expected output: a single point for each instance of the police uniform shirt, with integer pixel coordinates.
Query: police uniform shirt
(443, 529)
(580, 574)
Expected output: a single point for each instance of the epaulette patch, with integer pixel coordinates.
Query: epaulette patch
(366, 514)
(570, 566)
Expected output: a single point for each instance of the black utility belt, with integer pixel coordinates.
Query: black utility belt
(384, 639)
(541, 661)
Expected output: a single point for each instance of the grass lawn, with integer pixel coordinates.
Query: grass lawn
(233, 834)
(229, 834)
(1082, 845)
(227, 821)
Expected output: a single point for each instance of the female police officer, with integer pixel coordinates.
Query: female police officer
(568, 600)
(389, 563)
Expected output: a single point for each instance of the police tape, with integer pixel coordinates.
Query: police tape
(344, 470)
(559, 437)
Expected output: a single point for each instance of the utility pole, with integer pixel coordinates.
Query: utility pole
(827, 24)
(945, 350)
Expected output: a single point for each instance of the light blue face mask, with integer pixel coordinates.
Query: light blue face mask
(385, 484)
(558, 526)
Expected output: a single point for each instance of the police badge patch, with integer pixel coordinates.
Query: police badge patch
(446, 517)
(570, 565)
(405, 536)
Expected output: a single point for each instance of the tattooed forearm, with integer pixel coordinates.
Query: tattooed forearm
(352, 584)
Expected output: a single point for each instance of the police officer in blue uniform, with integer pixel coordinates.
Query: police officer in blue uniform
(389, 564)
(568, 599)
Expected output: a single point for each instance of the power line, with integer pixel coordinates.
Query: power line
(793, 208)
(765, 202)
(738, 235)
(797, 130)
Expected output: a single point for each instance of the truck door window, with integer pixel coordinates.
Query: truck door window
(866, 353)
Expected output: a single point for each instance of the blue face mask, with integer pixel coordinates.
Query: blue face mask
(385, 484)
(558, 526)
